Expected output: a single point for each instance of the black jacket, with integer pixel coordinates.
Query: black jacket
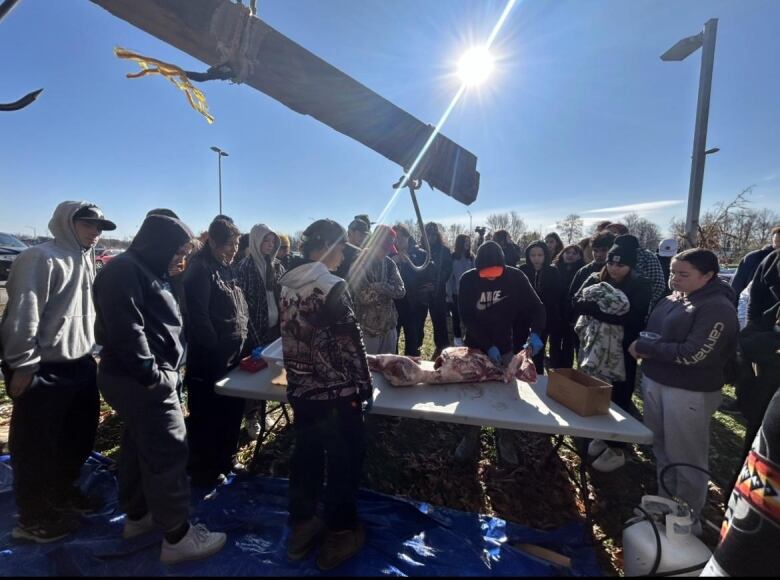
(567, 272)
(512, 253)
(583, 274)
(441, 260)
(490, 309)
(638, 291)
(350, 254)
(747, 268)
(416, 283)
(547, 283)
(216, 308)
(138, 319)
(765, 291)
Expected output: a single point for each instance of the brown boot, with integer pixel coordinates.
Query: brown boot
(338, 547)
(303, 537)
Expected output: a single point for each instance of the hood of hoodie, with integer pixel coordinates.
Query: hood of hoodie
(61, 225)
(256, 237)
(537, 244)
(713, 288)
(158, 240)
(489, 254)
(308, 276)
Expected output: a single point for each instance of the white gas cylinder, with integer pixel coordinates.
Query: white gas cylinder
(680, 549)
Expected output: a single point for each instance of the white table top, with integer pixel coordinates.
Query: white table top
(518, 406)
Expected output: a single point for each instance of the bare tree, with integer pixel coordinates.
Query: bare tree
(527, 238)
(648, 233)
(570, 228)
(509, 221)
(454, 230)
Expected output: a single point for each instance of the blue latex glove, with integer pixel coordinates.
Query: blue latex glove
(257, 352)
(494, 355)
(535, 343)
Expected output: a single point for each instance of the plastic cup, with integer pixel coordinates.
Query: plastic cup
(652, 336)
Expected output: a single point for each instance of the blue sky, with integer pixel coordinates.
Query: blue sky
(580, 115)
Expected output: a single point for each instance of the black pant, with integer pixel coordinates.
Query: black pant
(409, 317)
(328, 433)
(562, 340)
(53, 426)
(453, 308)
(754, 400)
(153, 458)
(214, 423)
(438, 310)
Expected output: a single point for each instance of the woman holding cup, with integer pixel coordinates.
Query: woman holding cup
(696, 329)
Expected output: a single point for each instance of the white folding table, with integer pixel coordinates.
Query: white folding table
(519, 406)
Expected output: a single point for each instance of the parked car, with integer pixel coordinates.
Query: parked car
(105, 257)
(10, 248)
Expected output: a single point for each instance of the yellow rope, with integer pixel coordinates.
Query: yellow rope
(173, 73)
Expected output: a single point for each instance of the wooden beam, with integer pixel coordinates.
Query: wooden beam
(219, 32)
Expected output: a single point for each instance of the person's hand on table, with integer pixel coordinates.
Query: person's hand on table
(534, 343)
(494, 355)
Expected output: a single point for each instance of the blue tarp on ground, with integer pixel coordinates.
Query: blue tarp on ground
(403, 538)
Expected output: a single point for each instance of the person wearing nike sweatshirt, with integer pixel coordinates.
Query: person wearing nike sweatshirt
(328, 382)
(548, 285)
(495, 301)
(47, 339)
(139, 326)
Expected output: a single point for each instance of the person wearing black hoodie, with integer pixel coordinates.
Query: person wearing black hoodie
(217, 320)
(441, 262)
(548, 285)
(139, 326)
(412, 308)
(562, 340)
(495, 301)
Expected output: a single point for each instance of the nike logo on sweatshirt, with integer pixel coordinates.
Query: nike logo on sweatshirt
(488, 299)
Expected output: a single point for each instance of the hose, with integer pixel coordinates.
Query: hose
(666, 468)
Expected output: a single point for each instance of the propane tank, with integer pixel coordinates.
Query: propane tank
(680, 549)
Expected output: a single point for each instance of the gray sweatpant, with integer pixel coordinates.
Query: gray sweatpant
(153, 449)
(383, 344)
(680, 422)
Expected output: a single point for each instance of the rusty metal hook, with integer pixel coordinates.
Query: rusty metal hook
(414, 185)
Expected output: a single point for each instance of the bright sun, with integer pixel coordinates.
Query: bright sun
(475, 65)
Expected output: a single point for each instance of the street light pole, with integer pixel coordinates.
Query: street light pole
(685, 47)
(220, 154)
(471, 231)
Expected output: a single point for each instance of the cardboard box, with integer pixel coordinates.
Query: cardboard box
(579, 392)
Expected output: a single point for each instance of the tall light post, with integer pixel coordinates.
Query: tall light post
(220, 154)
(681, 50)
(471, 232)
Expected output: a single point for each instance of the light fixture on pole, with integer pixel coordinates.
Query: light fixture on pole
(471, 231)
(682, 49)
(220, 154)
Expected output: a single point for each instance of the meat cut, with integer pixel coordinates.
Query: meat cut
(458, 364)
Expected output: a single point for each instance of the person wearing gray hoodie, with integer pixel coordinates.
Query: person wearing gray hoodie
(47, 338)
(690, 337)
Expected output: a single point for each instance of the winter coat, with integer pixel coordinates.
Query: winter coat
(139, 323)
(261, 290)
(50, 316)
(567, 272)
(601, 343)
(698, 336)
(374, 285)
(441, 260)
(765, 290)
(547, 283)
(415, 283)
(459, 266)
(747, 268)
(323, 347)
(216, 315)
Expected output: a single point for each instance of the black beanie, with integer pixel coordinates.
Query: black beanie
(624, 251)
(489, 255)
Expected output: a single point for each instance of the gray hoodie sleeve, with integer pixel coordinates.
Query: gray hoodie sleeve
(705, 345)
(28, 291)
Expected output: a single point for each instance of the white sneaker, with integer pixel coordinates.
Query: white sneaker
(198, 543)
(611, 459)
(596, 448)
(458, 341)
(135, 528)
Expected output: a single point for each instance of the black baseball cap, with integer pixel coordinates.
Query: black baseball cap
(327, 231)
(92, 213)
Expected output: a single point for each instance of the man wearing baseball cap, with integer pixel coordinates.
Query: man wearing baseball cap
(47, 336)
(494, 298)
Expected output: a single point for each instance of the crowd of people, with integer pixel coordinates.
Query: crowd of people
(176, 312)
